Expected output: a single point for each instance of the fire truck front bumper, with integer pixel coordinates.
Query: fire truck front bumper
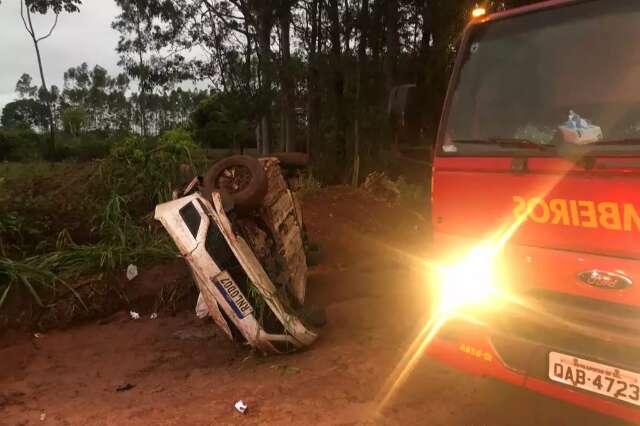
(529, 362)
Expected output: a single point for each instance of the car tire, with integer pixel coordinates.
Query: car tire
(241, 180)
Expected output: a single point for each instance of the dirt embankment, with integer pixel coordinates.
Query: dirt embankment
(184, 372)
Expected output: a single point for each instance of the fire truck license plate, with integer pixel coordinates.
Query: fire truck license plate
(595, 377)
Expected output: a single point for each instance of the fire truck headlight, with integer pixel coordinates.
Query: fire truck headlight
(469, 281)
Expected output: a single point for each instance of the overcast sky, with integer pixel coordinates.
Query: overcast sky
(79, 37)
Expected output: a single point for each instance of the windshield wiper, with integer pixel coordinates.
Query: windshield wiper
(506, 143)
(617, 142)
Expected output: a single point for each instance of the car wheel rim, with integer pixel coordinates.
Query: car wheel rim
(234, 179)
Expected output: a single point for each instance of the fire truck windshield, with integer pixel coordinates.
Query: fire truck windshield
(561, 76)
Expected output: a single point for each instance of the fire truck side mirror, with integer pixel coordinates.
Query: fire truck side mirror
(402, 102)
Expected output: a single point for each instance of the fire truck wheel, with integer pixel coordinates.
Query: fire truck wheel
(241, 179)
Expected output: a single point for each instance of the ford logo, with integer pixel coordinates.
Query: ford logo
(605, 280)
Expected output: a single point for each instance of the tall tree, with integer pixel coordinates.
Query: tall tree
(392, 41)
(133, 47)
(150, 44)
(286, 77)
(24, 89)
(363, 23)
(338, 150)
(24, 114)
(263, 16)
(27, 7)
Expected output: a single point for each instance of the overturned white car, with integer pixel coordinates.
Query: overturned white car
(241, 233)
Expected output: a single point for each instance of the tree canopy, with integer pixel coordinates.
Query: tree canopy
(310, 75)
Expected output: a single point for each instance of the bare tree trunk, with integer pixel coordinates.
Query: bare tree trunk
(51, 146)
(247, 83)
(258, 131)
(423, 64)
(313, 99)
(363, 21)
(393, 43)
(339, 141)
(286, 80)
(265, 129)
(143, 85)
(247, 59)
(265, 24)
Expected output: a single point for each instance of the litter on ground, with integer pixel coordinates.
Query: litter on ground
(241, 406)
(132, 272)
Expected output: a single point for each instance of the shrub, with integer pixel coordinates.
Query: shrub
(309, 184)
(148, 169)
(75, 119)
(118, 198)
(84, 148)
(411, 195)
(20, 145)
(224, 120)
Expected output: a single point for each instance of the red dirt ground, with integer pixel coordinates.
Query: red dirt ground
(185, 372)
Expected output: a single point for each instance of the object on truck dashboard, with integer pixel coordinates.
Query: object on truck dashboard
(579, 130)
(448, 145)
(540, 135)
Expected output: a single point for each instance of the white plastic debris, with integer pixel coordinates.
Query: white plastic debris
(201, 307)
(132, 272)
(134, 315)
(241, 406)
(37, 335)
(153, 316)
(43, 417)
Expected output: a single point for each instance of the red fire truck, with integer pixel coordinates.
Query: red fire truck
(536, 203)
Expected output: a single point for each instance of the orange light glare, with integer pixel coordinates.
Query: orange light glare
(478, 12)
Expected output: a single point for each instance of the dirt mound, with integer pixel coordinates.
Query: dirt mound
(163, 288)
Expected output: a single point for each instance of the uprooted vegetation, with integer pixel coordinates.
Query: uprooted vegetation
(65, 236)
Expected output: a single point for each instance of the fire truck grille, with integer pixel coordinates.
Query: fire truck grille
(597, 330)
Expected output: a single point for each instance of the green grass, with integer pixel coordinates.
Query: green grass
(116, 199)
(44, 275)
(34, 276)
(116, 193)
(12, 173)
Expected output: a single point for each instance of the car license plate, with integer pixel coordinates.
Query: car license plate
(232, 294)
(595, 377)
